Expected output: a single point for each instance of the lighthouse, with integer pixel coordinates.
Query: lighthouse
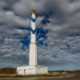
(33, 68)
(33, 44)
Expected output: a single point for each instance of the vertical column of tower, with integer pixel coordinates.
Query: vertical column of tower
(33, 45)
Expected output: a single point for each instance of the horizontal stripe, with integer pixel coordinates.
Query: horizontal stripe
(33, 43)
(33, 31)
(33, 20)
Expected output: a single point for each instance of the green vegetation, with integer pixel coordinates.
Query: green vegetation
(30, 76)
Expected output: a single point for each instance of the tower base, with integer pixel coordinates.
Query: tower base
(32, 70)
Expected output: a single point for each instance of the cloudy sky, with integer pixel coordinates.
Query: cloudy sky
(58, 33)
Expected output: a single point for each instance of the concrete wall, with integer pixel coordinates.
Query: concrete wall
(31, 70)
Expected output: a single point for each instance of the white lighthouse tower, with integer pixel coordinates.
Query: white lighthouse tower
(33, 68)
(33, 45)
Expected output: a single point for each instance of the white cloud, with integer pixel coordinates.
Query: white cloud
(64, 19)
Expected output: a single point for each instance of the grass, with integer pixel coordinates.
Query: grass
(31, 76)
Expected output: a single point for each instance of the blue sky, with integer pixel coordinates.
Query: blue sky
(58, 33)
